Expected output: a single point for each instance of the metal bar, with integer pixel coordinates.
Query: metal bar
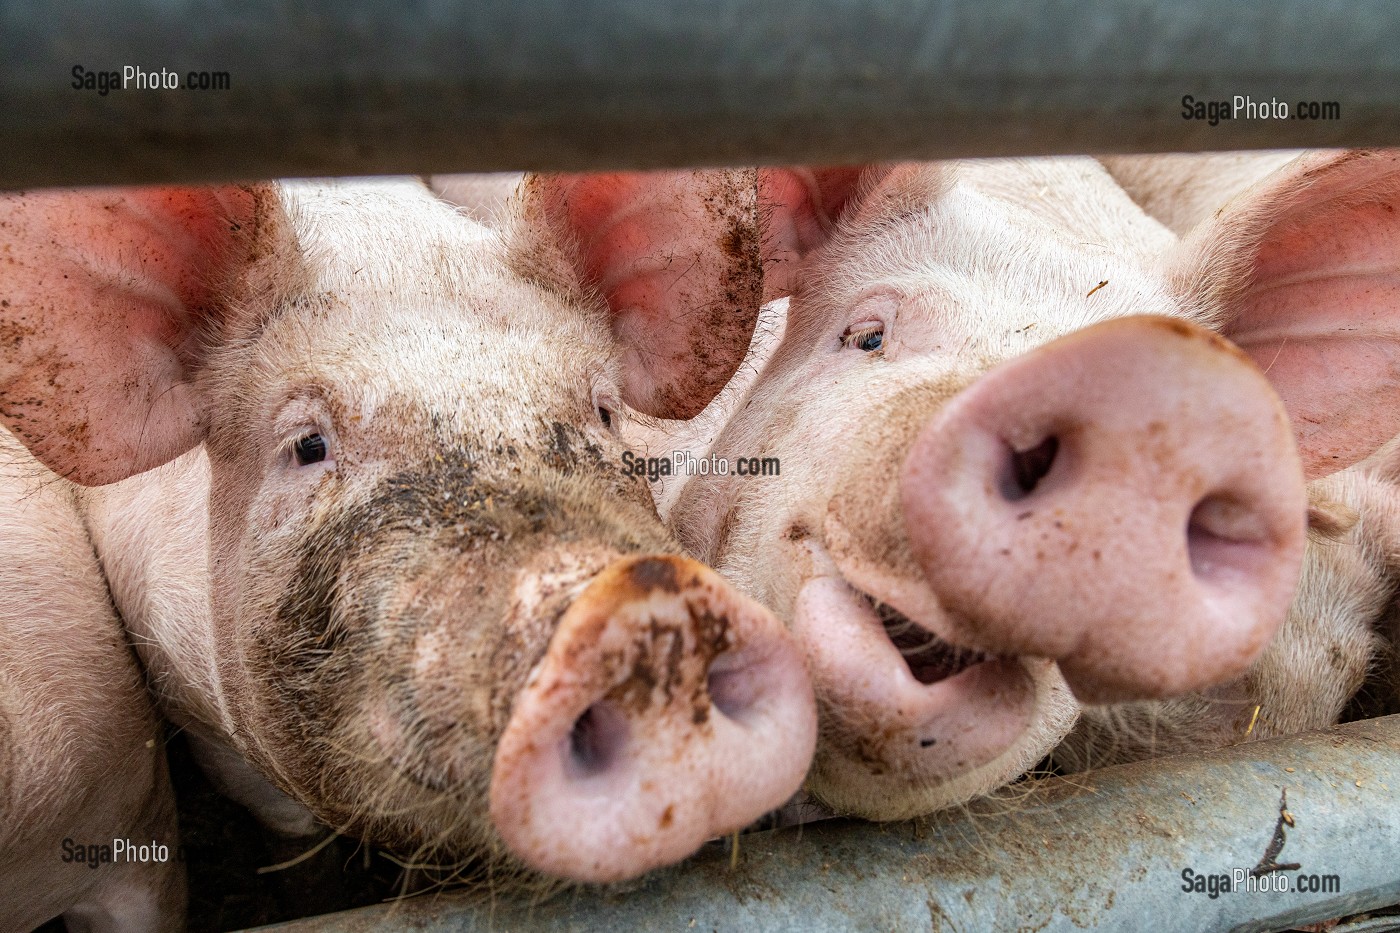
(1104, 850)
(321, 87)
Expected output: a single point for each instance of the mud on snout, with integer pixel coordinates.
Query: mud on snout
(669, 709)
(475, 675)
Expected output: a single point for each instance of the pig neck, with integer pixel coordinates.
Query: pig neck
(151, 533)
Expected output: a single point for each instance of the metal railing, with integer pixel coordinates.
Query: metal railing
(1105, 850)
(346, 87)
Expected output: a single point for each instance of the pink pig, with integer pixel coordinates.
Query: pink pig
(1020, 469)
(395, 577)
(87, 816)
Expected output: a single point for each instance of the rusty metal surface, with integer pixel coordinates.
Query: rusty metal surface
(351, 87)
(1103, 851)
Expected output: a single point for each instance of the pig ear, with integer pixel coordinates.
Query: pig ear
(800, 206)
(103, 303)
(1303, 272)
(676, 257)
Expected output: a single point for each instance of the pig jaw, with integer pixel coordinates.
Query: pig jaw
(908, 729)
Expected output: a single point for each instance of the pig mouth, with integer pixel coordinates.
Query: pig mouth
(930, 658)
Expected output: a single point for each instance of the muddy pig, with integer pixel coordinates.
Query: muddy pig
(1019, 470)
(87, 816)
(396, 567)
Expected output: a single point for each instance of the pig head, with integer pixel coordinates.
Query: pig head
(397, 567)
(1300, 263)
(1019, 471)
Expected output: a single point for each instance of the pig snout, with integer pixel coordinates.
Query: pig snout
(668, 709)
(1126, 500)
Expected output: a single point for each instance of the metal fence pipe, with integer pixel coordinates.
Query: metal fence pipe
(1106, 850)
(321, 87)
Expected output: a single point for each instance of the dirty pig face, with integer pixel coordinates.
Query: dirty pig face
(443, 617)
(382, 517)
(911, 288)
(416, 527)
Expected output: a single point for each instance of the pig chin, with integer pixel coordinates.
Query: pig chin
(911, 723)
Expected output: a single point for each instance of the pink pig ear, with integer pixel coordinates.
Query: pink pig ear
(801, 205)
(1303, 271)
(676, 257)
(103, 302)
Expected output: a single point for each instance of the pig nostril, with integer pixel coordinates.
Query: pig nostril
(1221, 535)
(733, 689)
(596, 740)
(1026, 468)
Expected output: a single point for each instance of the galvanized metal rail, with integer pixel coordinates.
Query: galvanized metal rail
(1105, 850)
(339, 87)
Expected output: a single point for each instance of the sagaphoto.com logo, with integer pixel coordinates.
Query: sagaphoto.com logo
(136, 78)
(1244, 107)
(685, 463)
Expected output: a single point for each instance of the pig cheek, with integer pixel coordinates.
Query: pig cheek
(423, 729)
(288, 502)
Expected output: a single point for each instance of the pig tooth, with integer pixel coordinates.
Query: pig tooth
(929, 657)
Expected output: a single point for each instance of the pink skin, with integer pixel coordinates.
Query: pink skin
(407, 479)
(1319, 311)
(1148, 472)
(941, 317)
(81, 750)
(868, 681)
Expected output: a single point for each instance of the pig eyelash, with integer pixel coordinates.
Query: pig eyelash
(310, 448)
(869, 338)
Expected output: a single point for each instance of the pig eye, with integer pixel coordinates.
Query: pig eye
(604, 406)
(309, 449)
(867, 337)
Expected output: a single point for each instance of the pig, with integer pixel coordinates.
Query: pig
(82, 764)
(1023, 472)
(1325, 256)
(358, 498)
